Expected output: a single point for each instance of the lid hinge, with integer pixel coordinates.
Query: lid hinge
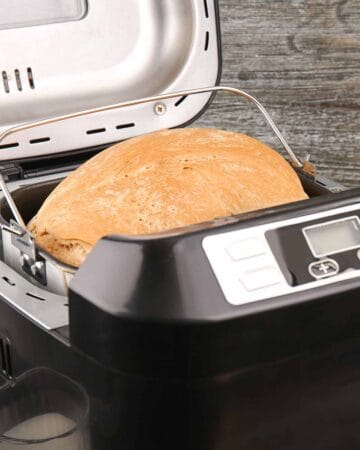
(11, 171)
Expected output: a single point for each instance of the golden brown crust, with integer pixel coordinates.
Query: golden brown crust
(69, 251)
(162, 181)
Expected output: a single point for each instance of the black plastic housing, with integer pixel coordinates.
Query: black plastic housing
(166, 362)
(160, 295)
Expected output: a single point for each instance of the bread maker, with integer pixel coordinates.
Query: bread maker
(239, 333)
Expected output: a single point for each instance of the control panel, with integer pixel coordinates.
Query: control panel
(287, 256)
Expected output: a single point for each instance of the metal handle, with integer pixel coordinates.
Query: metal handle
(157, 98)
(11, 203)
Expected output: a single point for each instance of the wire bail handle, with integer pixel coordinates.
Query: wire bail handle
(19, 228)
(294, 159)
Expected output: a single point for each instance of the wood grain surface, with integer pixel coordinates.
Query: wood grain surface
(301, 58)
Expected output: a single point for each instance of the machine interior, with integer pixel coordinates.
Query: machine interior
(30, 198)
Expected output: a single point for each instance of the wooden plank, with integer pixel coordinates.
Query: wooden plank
(301, 58)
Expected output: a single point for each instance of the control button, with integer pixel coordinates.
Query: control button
(245, 248)
(260, 278)
(324, 269)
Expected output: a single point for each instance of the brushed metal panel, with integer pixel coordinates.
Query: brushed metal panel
(118, 51)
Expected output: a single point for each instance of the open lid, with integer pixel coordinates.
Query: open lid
(64, 56)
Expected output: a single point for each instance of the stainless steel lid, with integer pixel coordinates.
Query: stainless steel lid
(63, 56)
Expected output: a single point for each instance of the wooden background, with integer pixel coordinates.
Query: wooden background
(301, 58)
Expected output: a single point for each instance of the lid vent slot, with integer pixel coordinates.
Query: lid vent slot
(30, 78)
(125, 125)
(5, 146)
(8, 281)
(18, 80)
(96, 131)
(39, 140)
(178, 103)
(5, 81)
(36, 297)
(206, 9)
(207, 40)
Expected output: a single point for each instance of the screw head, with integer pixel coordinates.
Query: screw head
(160, 109)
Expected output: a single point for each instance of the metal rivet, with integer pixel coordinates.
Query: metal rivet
(160, 109)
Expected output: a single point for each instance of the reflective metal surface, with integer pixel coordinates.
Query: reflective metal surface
(27, 13)
(156, 99)
(118, 51)
(48, 310)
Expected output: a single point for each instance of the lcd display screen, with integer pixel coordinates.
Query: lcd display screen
(333, 237)
(26, 13)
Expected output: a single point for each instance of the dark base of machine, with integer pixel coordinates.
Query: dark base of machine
(257, 378)
(307, 401)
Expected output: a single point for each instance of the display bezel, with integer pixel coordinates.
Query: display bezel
(324, 224)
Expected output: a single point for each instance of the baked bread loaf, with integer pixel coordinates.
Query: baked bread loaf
(158, 182)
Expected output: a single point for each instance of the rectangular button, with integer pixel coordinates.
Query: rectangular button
(245, 248)
(260, 278)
